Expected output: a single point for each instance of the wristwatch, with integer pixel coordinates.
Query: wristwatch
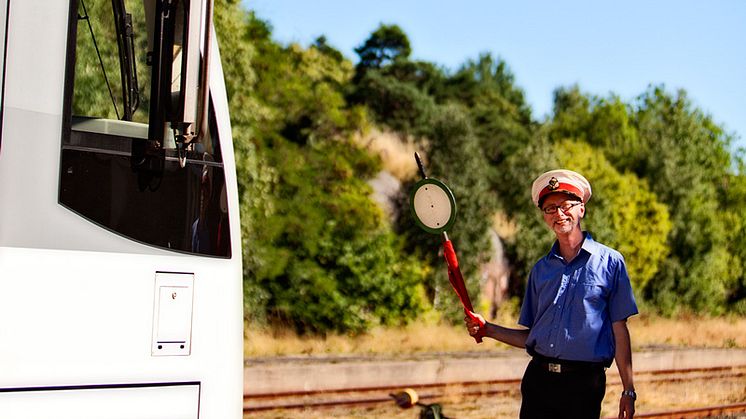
(630, 393)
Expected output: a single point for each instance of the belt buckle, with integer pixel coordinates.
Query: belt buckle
(555, 367)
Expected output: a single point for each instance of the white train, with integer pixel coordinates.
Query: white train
(120, 250)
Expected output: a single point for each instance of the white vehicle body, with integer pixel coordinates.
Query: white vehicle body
(95, 324)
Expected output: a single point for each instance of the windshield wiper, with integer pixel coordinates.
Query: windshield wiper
(127, 62)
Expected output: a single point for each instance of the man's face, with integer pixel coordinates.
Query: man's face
(562, 213)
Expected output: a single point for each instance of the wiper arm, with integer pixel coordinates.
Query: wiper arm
(87, 18)
(127, 62)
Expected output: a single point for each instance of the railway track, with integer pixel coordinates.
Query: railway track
(429, 393)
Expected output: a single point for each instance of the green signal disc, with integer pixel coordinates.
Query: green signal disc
(433, 205)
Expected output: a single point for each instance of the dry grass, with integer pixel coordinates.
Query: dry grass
(415, 338)
(397, 154)
(505, 227)
(689, 331)
(430, 336)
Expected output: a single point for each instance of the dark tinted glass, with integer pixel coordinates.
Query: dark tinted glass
(182, 209)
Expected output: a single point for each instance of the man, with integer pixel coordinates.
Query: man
(578, 299)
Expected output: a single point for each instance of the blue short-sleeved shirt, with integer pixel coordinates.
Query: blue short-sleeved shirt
(569, 308)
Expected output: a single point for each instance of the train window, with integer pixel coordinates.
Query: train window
(111, 172)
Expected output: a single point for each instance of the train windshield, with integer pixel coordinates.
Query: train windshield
(136, 157)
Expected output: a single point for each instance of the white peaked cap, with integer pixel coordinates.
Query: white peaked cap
(560, 180)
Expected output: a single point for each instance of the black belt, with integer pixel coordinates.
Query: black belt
(561, 365)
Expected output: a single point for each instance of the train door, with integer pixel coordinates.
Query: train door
(120, 252)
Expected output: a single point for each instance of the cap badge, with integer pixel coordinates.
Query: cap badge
(553, 184)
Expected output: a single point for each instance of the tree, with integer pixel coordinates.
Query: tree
(572, 115)
(686, 164)
(500, 115)
(323, 47)
(427, 77)
(401, 106)
(734, 192)
(385, 45)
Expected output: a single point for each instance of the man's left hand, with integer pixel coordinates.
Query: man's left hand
(626, 407)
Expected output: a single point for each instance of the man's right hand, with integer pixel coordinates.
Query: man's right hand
(474, 323)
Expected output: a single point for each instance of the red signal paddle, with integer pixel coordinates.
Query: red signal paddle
(457, 281)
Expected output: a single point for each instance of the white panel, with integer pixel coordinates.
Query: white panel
(172, 314)
(166, 402)
(36, 57)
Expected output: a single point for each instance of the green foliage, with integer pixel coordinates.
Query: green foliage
(399, 105)
(686, 164)
(302, 88)
(323, 47)
(427, 77)
(334, 265)
(237, 38)
(385, 45)
(572, 115)
(500, 115)
(734, 192)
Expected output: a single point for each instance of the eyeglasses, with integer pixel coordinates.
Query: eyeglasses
(551, 209)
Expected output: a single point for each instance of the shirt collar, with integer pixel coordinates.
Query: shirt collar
(589, 245)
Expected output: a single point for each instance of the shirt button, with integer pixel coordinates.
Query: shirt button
(551, 345)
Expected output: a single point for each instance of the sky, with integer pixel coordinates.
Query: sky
(605, 47)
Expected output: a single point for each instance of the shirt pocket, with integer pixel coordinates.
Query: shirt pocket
(595, 289)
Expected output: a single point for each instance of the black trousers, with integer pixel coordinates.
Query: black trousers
(575, 394)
